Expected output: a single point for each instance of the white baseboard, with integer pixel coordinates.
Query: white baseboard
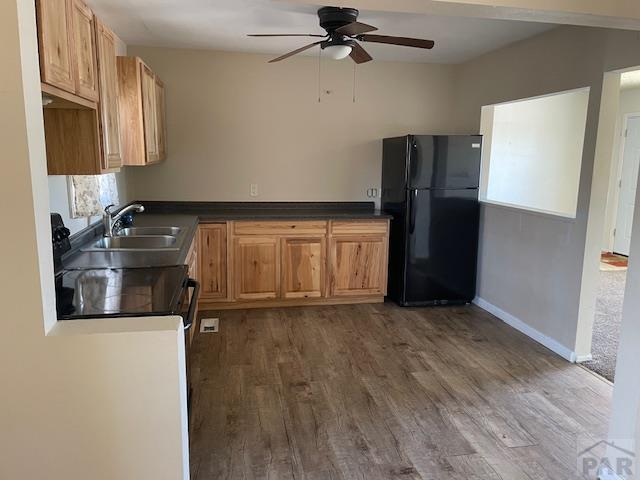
(584, 358)
(529, 331)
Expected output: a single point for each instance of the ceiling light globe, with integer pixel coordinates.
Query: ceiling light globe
(338, 52)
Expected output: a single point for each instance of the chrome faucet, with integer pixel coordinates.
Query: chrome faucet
(110, 220)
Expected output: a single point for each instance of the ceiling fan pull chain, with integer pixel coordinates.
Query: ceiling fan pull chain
(354, 82)
(319, 78)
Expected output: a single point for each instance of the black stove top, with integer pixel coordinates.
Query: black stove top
(120, 292)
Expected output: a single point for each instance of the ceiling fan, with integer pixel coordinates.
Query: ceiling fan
(343, 34)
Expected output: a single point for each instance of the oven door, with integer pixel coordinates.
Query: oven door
(189, 309)
(190, 301)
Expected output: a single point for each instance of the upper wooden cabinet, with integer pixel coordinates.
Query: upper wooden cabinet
(161, 120)
(55, 43)
(108, 88)
(68, 58)
(139, 112)
(83, 136)
(72, 138)
(149, 113)
(84, 43)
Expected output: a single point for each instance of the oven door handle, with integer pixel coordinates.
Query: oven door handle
(191, 283)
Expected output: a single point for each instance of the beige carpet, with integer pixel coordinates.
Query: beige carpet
(606, 328)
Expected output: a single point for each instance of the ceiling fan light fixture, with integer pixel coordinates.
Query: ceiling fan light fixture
(344, 33)
(338, 52)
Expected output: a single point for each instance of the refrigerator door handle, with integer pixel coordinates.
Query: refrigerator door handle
(412, 211)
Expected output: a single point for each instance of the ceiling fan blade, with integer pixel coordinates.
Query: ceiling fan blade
(404, 41)
(359, 54)
(355, 28)
(285, 35)
(291, 54)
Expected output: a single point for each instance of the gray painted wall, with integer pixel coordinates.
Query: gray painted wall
(531, 265)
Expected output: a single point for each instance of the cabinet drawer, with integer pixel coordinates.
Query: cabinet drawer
(280, 228)
(359, 227)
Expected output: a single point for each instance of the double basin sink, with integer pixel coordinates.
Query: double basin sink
(139, 238)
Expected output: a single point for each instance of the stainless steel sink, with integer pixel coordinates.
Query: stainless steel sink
(149, 242)
(136, 231)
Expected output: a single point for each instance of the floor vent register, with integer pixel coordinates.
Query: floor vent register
(209, 325)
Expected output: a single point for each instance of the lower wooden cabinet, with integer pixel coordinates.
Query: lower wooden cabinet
(303, 267)
(358, 265)
(192, 264)
(245, 264)
(212, 261)
(256, 268)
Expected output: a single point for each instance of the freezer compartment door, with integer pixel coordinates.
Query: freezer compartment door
(442, 247)
(445, 161)
(395, 154)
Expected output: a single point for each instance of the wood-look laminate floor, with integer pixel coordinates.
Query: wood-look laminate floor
(381, 392)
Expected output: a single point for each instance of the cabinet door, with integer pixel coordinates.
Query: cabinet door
(84, 49)
(149, 113)
(358, 265)
(192, 259)
(108, 85)
(54, 38)
(161, 120)
(257, 268)
(192, 264)
(212, 271)
(303, 267)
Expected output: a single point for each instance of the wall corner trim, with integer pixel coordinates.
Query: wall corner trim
(529, 331)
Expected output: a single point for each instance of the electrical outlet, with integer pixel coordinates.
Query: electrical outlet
(254, 189)
(372, 192)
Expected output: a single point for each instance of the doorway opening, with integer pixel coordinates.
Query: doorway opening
(612, 276)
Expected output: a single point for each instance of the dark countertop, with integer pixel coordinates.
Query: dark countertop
(222, 211)
(187, 215)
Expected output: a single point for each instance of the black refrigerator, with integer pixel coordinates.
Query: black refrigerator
(430, 187)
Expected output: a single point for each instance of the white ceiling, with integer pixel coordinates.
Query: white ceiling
(224, 24)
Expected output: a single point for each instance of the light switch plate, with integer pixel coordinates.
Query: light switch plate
(209, 325)
(254, 189)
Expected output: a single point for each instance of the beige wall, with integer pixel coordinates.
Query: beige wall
(81, 400)
(233, 120)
